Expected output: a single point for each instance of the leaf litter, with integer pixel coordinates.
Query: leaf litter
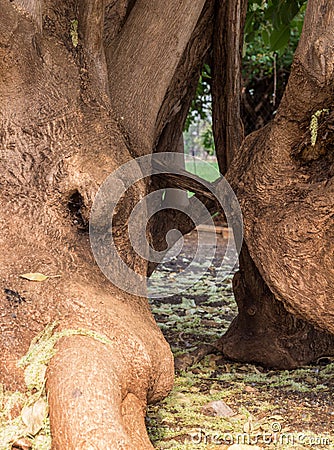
(274, 409)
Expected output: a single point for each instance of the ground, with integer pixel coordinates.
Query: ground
(292, 409)
(272, 409)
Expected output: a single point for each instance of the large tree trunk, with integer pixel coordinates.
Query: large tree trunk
(76, 104)
(75, 107)
(284, 182)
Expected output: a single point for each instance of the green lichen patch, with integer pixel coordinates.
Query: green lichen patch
(24, 415)
(74, 33)
(273, 409)
(314, 125)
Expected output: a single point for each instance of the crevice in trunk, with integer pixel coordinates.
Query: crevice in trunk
(76, 205)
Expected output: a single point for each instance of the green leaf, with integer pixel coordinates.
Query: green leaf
(279, 38)
(265, 37)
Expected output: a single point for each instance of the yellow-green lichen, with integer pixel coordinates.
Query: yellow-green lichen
(13, 421)
(315, 124)
(74, 32)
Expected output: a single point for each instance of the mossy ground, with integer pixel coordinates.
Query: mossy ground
(273, 409)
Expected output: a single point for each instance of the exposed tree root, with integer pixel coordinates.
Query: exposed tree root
(264, 331)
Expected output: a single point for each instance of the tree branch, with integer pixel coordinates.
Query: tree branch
(313, 67)
(226, 79)
(168, 219)
(182, 89)
(91, 30)
(143, 61)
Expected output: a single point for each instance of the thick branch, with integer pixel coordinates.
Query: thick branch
(168, 219)
(313, 68)
(288, 205)
(91, 20)
(182, 89)
(226, 82)
(143, 62)
(91, 28)
(116, 14)
(170, 124)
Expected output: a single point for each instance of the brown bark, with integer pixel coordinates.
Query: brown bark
(264, 331)
(60, 138)
(137, 99)
(286, 196)
(226, 79)
(170, 124)
(59, 141)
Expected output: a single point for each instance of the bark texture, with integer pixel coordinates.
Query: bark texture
(59, 141)
(264, 331)
(170, 124)
(84, 87)
(137, 99)
(226, 79)
(285, 187)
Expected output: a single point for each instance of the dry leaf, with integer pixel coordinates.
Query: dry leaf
(34, 415)
(34, 276)
(22, 444)
(37, 276)
(250, 389)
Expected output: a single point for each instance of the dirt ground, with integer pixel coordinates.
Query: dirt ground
(270, 408)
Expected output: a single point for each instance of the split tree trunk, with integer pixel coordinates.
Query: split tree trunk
(75, 107)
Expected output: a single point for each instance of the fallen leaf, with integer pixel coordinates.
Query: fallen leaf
(37, 276)
(34, 276)
(248, 426)
(250, 389)
(217, 408)
(33, 416)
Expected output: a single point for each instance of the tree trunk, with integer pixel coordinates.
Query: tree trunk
(84, 87)
(284, 182)
(226, 79)
(64, 68)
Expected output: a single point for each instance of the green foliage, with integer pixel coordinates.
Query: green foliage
(199, 137)
(201, 105)
(207, 140)
(274, 20)
(272, 31)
